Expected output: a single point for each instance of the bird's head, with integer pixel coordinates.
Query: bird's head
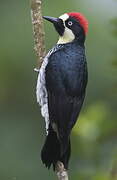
(70, 26)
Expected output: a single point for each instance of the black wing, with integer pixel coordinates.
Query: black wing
(66, 79)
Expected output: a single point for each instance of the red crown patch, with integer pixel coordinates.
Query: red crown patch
(82, 20)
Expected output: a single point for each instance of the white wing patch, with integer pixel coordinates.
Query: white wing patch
(41, 92)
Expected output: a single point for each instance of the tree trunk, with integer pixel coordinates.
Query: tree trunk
(61, 171)
(38, 30)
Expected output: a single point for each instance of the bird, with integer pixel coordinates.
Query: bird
(61, 86)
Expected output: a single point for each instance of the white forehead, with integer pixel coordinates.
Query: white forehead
(64, 17)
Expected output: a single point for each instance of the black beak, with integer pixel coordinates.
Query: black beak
(57, 22)
(52, 19)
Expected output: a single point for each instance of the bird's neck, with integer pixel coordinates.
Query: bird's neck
(66, 39)
(63, 40)
(69, 37)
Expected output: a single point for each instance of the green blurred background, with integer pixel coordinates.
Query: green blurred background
(22, 129)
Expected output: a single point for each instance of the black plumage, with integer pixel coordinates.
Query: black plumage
(66, 80)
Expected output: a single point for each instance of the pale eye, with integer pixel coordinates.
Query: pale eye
(70, 23)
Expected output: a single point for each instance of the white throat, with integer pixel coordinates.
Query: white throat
(68, 35)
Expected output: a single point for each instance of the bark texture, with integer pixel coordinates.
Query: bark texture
(38, 30)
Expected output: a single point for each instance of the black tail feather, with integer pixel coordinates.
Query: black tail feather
(51, 151)
(66, 156)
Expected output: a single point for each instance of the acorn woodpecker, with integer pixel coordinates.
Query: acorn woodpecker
(61, 86)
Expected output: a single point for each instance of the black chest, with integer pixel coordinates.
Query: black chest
(66, 69)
